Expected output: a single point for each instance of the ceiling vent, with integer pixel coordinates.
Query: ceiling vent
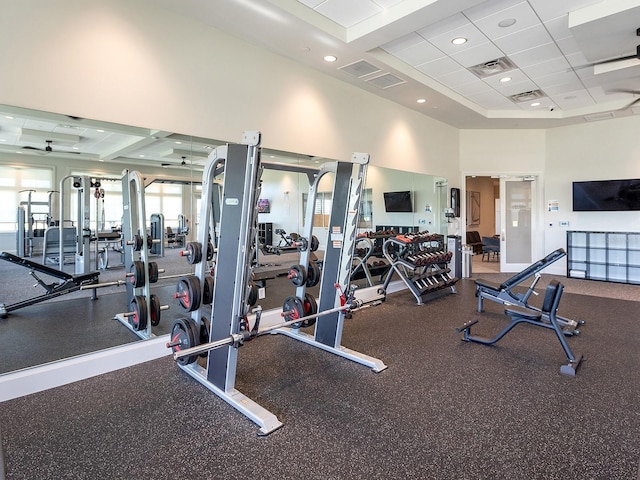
(599, 116)
(527, 96)
(360, 69)
(494, 67)
(386, 81)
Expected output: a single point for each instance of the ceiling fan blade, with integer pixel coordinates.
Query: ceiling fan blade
(613, 60)
(637, 100)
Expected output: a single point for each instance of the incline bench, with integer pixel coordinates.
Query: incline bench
(505, 294)
(67, 283)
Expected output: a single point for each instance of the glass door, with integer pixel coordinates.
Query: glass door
(518, 214)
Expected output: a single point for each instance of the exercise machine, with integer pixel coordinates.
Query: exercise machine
(545, 318)
(66, 283)
(505, 293)
(30, 238)
(229, 289)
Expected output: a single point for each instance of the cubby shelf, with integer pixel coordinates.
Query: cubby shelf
(606, 256)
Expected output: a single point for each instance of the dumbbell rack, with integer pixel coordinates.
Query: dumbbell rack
(421, 262)
(239, 168)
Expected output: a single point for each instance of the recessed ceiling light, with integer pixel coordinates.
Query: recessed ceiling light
(507, 22)
(178, 142)
(459, 40)
(330, 58)
(505, 79)
(99, 130)
(535, 104)
(421, 100)
(141, 156)
(74, 148)
(3, 139)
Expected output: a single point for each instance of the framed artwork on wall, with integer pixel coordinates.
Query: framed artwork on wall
(455, 201)
(263, 205)
(473, 208)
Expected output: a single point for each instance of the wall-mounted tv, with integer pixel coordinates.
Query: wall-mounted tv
(606, 196)
(398, 202)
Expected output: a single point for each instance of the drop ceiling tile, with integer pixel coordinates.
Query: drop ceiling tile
(577, 59)
(476, 86)
(509, 89)
(482, 53)
(311, 3)
(558, 78)
(522, 40)
(387, 3)
(349, 13)
(572, 99)
(568, 46)
(443, 26)
(522, 13)
(517, 76)
(548, 9)
(420, 53)
(458, 77)
(474, 38)
(559, 27)
(543, 104)
(491, 99)
(439, 67)
(564, 88)
(487, 9)
(535, 55)
(403, 42)
(555, 65)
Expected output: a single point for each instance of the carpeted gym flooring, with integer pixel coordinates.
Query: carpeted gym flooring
(443, 409)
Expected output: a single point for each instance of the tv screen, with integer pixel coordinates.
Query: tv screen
(606, 196)
(398, 202)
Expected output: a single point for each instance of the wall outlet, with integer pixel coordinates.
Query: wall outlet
(564, 223)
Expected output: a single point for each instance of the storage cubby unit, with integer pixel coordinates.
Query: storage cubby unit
(605, 256)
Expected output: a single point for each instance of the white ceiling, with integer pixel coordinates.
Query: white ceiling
(400, 50)
(551, 44)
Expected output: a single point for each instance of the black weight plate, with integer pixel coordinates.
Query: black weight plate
(154, 311)
(136, 277)
(137, 243)
(293, 309)
(310, 308)
(297, 275)
(207, 294)
(194, 254)
(149, 242)
(315, 243)
(252, 297)
(153, 272)
(209, 252)
(138, 306)
(205, 329)
(188, 292)
(313, 274)
(182, 332)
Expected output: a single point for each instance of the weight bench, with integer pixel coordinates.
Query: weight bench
(546, 318)
(67, 283)
(505, 294)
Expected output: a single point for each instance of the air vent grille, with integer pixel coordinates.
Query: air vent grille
(386, 81)
(494, 67)
(527, 96)
(360, 69)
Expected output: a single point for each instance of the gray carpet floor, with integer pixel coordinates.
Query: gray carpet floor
(444, 409)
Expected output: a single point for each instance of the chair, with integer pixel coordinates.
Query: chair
(474, 240)
(490, 248)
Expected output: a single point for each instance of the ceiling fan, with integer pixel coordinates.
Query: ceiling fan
(632, 92)
(182, 164)
(47, 149)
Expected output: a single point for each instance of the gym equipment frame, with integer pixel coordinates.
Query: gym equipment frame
(505, 294)
(242, 168)
(67, 283)
(518, 315)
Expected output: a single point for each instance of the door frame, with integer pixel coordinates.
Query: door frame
(537, 209)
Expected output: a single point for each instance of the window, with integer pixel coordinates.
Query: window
(14, 185)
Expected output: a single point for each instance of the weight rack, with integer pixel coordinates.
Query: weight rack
(242, 168)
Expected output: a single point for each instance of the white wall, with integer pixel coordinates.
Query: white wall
(134, 63)
(591, 151)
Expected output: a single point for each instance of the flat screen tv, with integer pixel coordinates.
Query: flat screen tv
(606, 196)
(398, 202)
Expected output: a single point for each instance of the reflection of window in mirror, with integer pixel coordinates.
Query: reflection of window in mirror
(365, 217)
(322, 208)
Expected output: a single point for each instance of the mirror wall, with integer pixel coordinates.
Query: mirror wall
(72, 324)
